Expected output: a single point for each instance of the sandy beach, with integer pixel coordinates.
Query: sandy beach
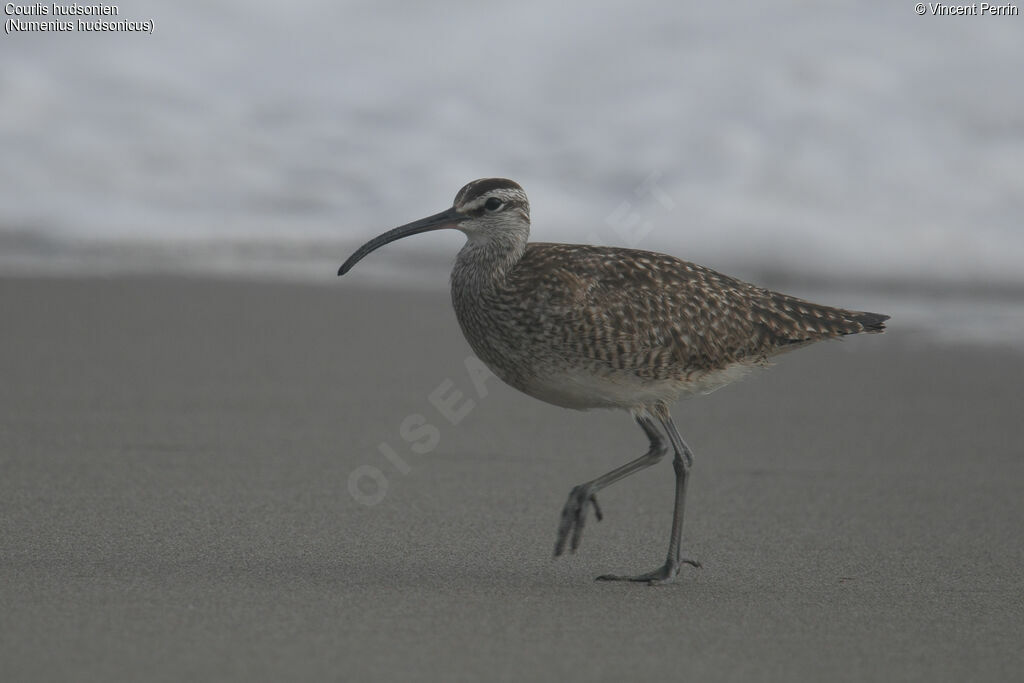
(214, 480)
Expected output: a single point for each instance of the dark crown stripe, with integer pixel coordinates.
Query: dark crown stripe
(478, 188)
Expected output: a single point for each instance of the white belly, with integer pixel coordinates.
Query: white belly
(582, 390)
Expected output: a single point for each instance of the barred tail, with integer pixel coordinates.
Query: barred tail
(794, 321)
(872, 323)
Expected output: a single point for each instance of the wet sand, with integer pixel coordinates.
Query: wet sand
(176, 458)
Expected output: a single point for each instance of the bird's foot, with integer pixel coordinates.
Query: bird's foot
(663, 574)
(574, 517)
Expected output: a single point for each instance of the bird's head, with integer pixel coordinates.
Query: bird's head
(485, 210)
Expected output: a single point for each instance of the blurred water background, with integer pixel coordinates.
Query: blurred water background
(816, 145)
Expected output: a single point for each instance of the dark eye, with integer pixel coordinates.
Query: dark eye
(492, 204)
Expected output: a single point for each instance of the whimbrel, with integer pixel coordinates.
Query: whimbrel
(603, 327)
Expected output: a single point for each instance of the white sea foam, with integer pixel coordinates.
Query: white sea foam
(859, 141)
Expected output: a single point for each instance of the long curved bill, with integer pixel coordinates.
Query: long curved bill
(439, 221)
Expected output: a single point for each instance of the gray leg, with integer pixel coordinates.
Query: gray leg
(574, 514)
(681, 463)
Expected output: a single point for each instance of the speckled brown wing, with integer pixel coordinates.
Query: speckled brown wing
(659, 317)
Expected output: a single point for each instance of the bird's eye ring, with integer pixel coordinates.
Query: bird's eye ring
(492, 204)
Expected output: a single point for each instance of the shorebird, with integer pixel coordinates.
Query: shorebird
(586, 327)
